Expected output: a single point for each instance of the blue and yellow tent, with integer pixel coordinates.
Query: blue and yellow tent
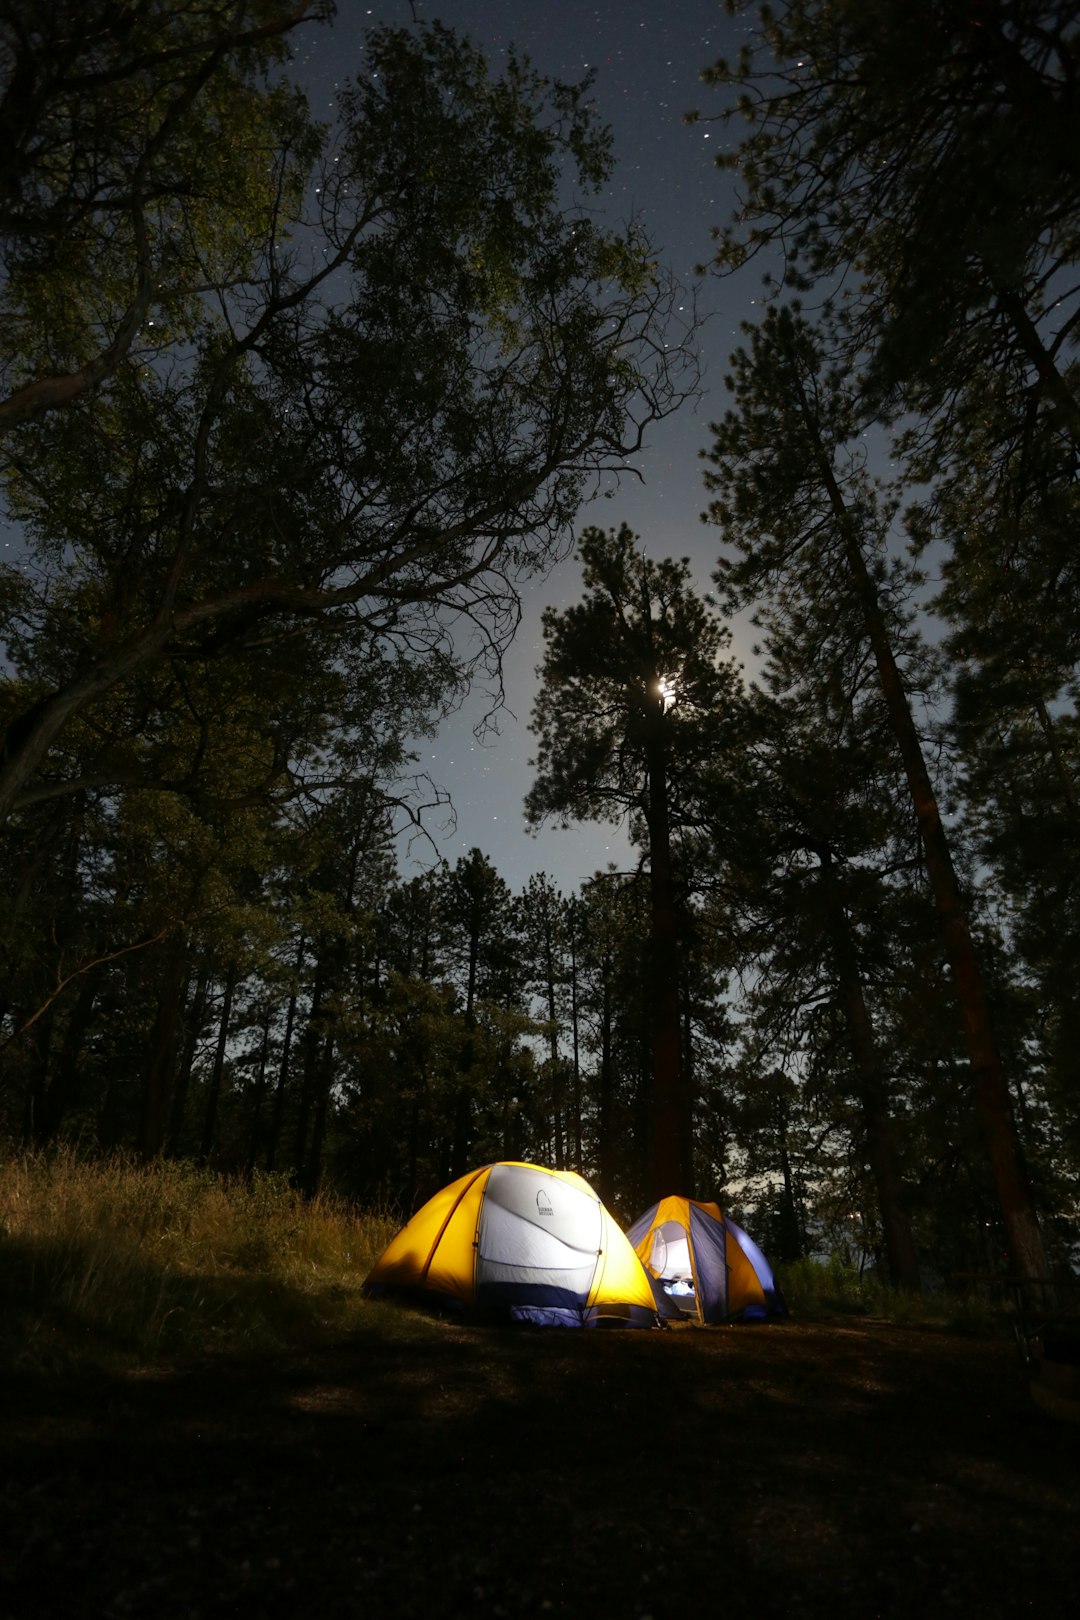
(705, 1265)
(521, 1241)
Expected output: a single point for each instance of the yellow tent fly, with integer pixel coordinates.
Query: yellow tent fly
(521, 1241)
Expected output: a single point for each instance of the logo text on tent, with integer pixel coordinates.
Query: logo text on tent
(542, 1203)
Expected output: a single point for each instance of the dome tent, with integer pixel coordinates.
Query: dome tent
(520, 1241)
(704, 1264)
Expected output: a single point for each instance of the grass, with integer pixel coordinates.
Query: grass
(112, 1260)
(818, 1289)
(109, 1261)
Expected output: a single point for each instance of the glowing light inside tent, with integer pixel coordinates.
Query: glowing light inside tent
(669, 1256)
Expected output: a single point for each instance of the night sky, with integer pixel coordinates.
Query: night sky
(648, 59)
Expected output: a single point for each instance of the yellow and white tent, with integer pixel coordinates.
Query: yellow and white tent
(522, 1241)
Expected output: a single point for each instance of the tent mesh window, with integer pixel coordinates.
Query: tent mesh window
(669, 1260)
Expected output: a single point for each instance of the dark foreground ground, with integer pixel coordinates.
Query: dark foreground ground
(803, 1470)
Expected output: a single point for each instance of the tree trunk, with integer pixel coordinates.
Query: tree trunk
(413, 1156)
(63, 1090)
(38, 1044)
(161, 1063)
(463, 1101)
(193, 1019)
(686, 1048)
(605, 1145)
(257, 1098)
(553, 1049)
(283, 1068)
(325, 1082)
(789, 1236)
(574, 1014)
(670, 1169)
(1057, 389)
(461, 1134)
(310, 1065)
(214, 1093)
(992, 1100)
(899, 1244)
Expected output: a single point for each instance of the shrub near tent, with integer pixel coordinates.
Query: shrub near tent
(705, 1265)
(519, 1241)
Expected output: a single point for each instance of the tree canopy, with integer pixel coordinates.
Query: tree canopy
(362, 395)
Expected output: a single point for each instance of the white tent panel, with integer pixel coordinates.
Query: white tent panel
(670, 1252)
(536, 1229)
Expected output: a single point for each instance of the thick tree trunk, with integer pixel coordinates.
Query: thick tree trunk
(993, 1103)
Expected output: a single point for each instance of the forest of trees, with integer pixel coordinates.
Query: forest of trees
(281, 406)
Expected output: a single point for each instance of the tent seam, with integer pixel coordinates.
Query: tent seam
(449, 1217)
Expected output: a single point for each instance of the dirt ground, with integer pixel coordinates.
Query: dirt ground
(846, 1470)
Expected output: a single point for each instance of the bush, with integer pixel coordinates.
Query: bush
(829, 1288)
(834, 1287)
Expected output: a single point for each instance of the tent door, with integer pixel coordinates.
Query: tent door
(669, 1261)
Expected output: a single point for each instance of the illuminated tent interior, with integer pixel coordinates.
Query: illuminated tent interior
(523, 1242)
(705, 1265)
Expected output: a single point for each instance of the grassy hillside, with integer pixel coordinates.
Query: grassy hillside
(109, 1259)
(112, 1261)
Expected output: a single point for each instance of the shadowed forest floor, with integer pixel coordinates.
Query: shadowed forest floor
(838, 1469)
